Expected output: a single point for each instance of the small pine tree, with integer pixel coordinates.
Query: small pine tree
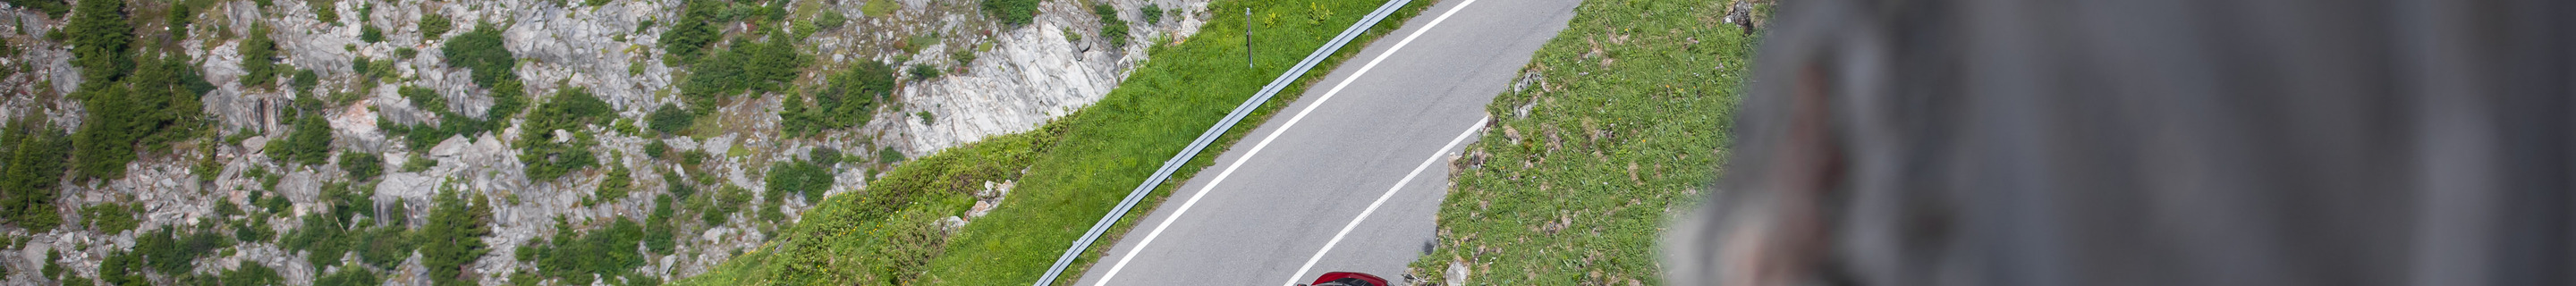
(454, 237)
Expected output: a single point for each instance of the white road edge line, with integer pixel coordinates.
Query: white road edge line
(1381, 200)
(1265, 142)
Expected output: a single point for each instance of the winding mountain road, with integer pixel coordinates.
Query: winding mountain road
(1348, 177)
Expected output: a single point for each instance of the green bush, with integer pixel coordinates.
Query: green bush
(769, 210)
(549, 160)
(1012, 12)
(226, 209)
(328, 11)
(775, 12)
(308, 144)
(54, 264)
(800, 178)
(325, 238)
(480, 50)
(625, 127)
(123, 268)
(508, 99)
(696, 29)
(386, 246)
(619, 183)
(362, 66)
(396, 215)
(568, 110)
(575, 256)
(824, 156)
(349, 276)
(749, 66)
(173, 253)
(207, 169)
(1153, 13)
(304, 105)
(671, 119)
(889, 156)
(418, 163)
(53, 8)
(371, 34)
(924, 72)
(1111, 27)
(432, 26)
(693, 157)
(362, 166)
(847, 100)
(347, 201)
(366, 10)
(679, 189)
(964, 57)
(657, 149)
(734, 12)
(252, 273)
(253, 230)
(723, 203)
(305, 80)
(109, 218)
(659, 236)
(424, 99)
(831, 19)
(259, 58)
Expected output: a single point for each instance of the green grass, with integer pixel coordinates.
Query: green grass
(880, 8)
(737, 151)
(1076, 169)
(1629, 118)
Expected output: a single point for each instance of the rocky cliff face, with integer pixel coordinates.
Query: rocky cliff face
(1019, 77)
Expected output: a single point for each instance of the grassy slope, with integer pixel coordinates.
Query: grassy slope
(1076, 168)
(1629, 119)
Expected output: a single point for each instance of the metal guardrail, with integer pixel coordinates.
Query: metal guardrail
(1210, 136)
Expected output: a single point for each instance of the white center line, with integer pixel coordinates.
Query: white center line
(1381, 200)
(1265, 142)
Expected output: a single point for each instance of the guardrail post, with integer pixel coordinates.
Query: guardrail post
(1247, 37)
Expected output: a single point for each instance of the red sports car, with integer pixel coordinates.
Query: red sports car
(1349, 279)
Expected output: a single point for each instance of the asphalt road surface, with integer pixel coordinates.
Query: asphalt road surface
(1349, 177)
